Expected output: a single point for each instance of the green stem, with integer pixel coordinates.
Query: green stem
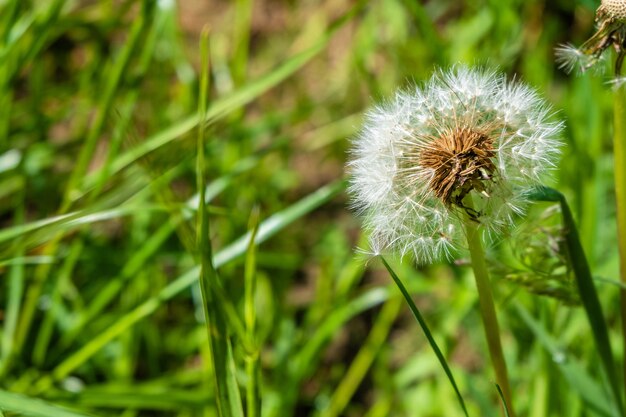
(619, 152)
(488, 310)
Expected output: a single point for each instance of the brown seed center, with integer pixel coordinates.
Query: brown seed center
(461, 161)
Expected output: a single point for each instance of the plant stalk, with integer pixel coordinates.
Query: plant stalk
(619, 154)
(488, 311)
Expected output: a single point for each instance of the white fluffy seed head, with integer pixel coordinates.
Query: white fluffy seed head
(571, 59)
(394, 186)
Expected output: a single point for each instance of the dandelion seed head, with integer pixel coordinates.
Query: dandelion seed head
(571, 59)
(616, 9)
(617, 82)
(463, 133)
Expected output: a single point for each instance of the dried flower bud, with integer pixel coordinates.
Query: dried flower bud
(611, 31)
(420, 157)
(613, 9)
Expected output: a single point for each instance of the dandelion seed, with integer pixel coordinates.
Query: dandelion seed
(571, 59)
(466, 144)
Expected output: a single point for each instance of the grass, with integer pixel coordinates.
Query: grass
(132, 171)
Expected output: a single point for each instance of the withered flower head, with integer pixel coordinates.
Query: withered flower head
(466, 145)
(611, 31)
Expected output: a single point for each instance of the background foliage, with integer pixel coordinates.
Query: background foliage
(99, 298)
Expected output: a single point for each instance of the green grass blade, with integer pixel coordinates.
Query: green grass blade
(586, 289)
(215, 323)
(427, 333)
(33, 407)
(47, 323)
(274, 223)
(158, 397)
(504, 404)
(14, 301)
(589, 390)
(68, 222)
(234, 397)
(253, 398)
(37, 260)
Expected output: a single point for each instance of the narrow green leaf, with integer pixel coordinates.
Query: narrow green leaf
(234, 397)
(253, 398)
(33, 407)
(586, 288)
(427, 333)
(162, 398)
(70, 221)
(504, 404)
(217, 331)
(14, 300)
(27, 260)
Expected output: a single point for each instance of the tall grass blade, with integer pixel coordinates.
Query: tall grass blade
(504, 404)
(217, 332)
(586, 289)
(234, 397)
(14, 301)
(253, 397)
(33, 407)
(427, 333)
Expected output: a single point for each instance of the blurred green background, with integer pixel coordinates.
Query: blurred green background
(99, 303)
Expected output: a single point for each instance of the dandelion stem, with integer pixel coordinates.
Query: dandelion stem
(488, 310)
(619, 152)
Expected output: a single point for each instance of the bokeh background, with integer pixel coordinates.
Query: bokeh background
(99, 302)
